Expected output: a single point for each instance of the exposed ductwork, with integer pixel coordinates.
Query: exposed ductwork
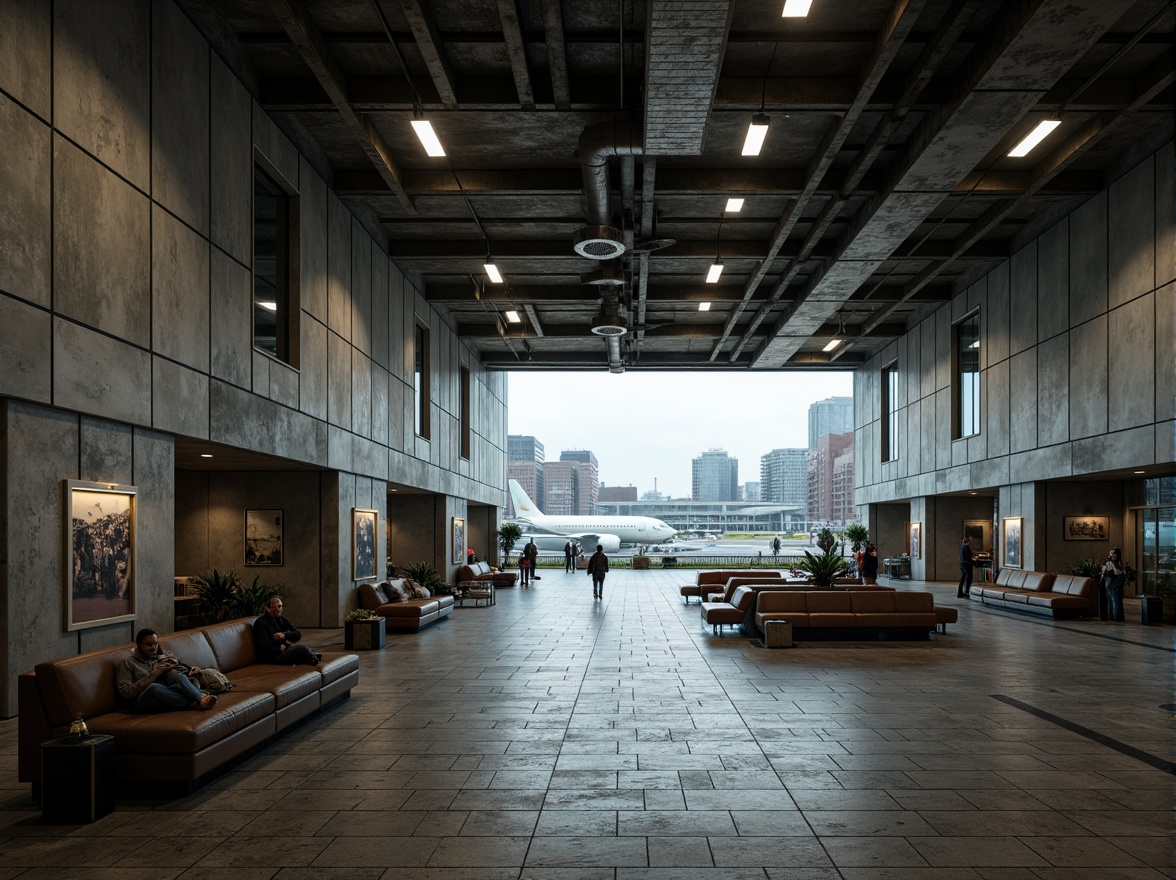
(598, 144)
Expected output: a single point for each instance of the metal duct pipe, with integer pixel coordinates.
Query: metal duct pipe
(615, 363)
(598, 143)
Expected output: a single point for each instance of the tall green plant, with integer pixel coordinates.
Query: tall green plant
(823, 569)
(857, 535)
(216, 595)
(251, 599)
(508, 536)
(826, 540)
(424, 574)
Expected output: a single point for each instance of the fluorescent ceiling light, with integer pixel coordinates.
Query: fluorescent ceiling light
(428, 137)
(206, 455)
(705, 307)
(734, 206)
(756, 132)
(974, 344)
(492, 272)
(716, 269)
(796, 8)
(268, 304)
(831, 344)
(513, 317)
(1034, 137)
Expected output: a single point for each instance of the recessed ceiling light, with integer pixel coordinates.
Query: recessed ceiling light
(704, 307)
(796, 8)
(428, 137)
(831, 344)
(1034, 138)
(734, 205)
(492, 271)
(206, 455)
(716, 269)
(1141, 472)
(756, 132)
(513, 317)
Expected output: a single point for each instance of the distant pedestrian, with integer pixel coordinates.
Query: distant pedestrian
(1114, 576)
(597, 568)
(966, 566)
(569, 551)
(531, 556)
(870, 565)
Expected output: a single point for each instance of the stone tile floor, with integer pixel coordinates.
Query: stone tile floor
(551, 736)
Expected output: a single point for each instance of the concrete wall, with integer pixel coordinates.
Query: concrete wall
(1077, 374)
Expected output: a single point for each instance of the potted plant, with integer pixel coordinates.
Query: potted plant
(640, 563)
(826, 540)
(508, 536)
(823, 569)
(425, 575)
(363, 630)
(216, 595)
(857, 535)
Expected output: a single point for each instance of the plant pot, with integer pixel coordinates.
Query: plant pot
(1153, 610)
(364, 635)
(640, 563)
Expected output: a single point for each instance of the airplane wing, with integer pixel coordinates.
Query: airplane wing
(589, 540)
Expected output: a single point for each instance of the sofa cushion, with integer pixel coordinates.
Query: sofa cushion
(190, 647)
(232, 643)
(170, 733)
(81, 685)
(1038, 581)
(828, 602)
(907, 602)
(1011, 577)
(398, 591)
(288, 684)
(335, 666)
(870, 602)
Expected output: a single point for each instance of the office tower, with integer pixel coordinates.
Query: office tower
(589, 486)
(715, 477)
(833, 415)
(833, 454)
(784, 477)
(523, 449)
(751, 490)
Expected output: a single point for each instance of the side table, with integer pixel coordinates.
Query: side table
(77, 780)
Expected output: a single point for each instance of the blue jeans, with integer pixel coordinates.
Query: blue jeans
(169, 692)
(293, 656)
(1115, 600)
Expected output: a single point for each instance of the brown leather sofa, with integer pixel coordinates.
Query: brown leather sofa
(480, 571)
(719, 579)
(824, 613)
(186, 746)
(1039, 592)
(404, 615)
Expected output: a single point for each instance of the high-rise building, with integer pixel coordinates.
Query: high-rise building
(715, 477)
(751, 490)
(523, 448)
(616, 493)
(833, 415)
(589, 479)
(563, 480)
(822, 465)
(784, 477)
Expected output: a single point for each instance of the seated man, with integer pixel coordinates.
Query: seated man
(274, 637)
(149, 681)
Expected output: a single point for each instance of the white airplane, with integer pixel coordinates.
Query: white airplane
(591, 530)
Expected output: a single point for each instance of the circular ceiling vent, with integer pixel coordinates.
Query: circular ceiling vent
(598, 242)
(609, 325)
(605, 276)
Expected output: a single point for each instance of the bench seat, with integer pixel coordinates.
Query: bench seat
(1038, 592)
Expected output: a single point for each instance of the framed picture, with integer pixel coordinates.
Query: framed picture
(1011, 539)
(1086, 528)
(263, 537)
(459, 553)
(99, 533)
(363, 543)
(916, 540)
(974, 529)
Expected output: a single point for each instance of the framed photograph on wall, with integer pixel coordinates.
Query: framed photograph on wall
(99, 533)
(1086, 528)
(459, 540)
(363, 543)
(916, 541)
(263, 537)
(975, 529)
(1011, 541)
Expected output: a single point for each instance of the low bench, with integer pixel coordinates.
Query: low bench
(405, 615)
(1039, 592)
(480, 571)
(830, 613)
(718, 579)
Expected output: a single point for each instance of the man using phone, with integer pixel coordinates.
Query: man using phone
(150, 681)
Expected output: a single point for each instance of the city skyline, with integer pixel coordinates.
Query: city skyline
(653, 424)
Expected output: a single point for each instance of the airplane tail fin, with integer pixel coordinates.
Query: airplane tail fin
(523, 505)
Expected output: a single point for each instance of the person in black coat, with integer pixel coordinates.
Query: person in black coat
(966, 567)
(274, 638)
(870, 565)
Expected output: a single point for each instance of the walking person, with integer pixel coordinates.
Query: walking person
(597, 568)
(532, 551)
(1114, 576)
(568, 555)
(966, 566)
(870, 565)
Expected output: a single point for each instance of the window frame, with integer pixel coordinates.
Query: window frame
(464, 428)
(286, 281)
(959, 357)
(889, 445)
(421, 380)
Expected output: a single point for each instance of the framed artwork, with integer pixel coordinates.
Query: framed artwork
(1011, 540)
(459, 553)
(974, 529)
(363, 543)
(1086, 528)
(99, 533)
(916, 541)
(263, 537)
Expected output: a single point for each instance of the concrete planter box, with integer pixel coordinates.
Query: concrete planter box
(364, 635)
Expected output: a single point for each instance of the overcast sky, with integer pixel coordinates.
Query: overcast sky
(642, 425)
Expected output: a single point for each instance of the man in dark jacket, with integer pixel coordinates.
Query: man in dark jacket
(568, 551)
(965, 568)
(274, 638)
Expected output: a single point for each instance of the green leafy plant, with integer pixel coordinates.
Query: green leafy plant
(1084, 568)
(823, 569)
(424, 574)
(857, 535)
(508, 536)
(362, 614)
(251, 600)
(216, 595)
(826, 540)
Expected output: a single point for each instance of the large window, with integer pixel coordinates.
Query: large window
(890, 412)
(965, 398)
(464, 414)
(275, 303)
(420, 379)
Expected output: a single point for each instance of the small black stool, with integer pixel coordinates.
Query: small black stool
(77, 780)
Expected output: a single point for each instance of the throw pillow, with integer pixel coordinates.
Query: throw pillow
(397, 591)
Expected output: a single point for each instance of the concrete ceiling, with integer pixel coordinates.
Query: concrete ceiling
(883, 185)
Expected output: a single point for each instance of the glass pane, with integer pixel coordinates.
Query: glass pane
(968, 340)
(270, 206)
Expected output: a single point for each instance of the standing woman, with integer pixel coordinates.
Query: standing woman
(965, 586)
(597, 568)
(870, 565)
(1114, 574)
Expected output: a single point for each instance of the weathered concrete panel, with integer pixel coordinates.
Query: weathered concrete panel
(180, 400)
(231, 320)
(396, 329)
(238, 418)
(380, 269)
(1165, 172)
(25, 344)
(943, 428)
(1088, 260)
(338, 381)
(180, 291)
(338, 448)
(338, 267)
(25, 54)
(978, 444)
(1053, 281)
(1165, 345)
(996, 343)
(399, 413)
(361, 394)
(312, 205)
(1047, 463)
(1119, 449)
(1131, 244)
(361, 288)
(25, 218)
(261, 374)
(102, 82)
(928, 354)
(105, 451)
(275, 146)
(1053, 390)
(313, 378)
(927, 434)
(1131, 363)
(944, 333)
(1088, 378)
(179, 116)
(93, 373)
(1023, 396)
(380, 380)
(1023, 299)
(232, 157)
(283, 384)
(101, 247)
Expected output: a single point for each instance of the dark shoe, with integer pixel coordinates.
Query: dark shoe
(206, 702)
(318, 658)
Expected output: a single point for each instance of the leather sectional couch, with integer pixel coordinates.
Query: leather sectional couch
(1039, 592)
(480, 571)
(737, 604)
(185, 746)
(825, 613)
(403, 615)
(718, 579)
